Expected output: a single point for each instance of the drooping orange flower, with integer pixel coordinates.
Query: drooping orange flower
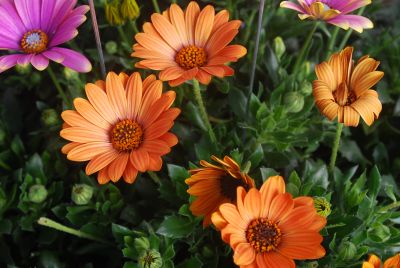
(122, 128)
(214, 185)
(343, 89)
(268, 228)
(375, 262)
(191, 44)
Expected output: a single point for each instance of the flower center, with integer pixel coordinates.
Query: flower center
(190, 57)
(263, 235)
(34, 41)
(229, 186)
(126, 135)
(343, 95)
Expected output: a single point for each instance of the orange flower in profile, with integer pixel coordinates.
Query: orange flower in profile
(343, 90)
(122, 128)
(191, 44)
(375, 262)
(214, 185)
(268, 228)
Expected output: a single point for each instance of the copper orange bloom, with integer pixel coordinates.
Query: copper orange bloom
(343, 89)
(122, 128)
(214, 185)
(268, 228)
(375, 262)
(188, 44)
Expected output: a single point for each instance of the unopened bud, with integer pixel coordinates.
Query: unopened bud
(142, 244)
(37, 193)
(347, 250)
(111, 47)
(81, 194)
(129, 10)
(150, 259)
(294, 102)
(279, 47)
(50, 117)
(113, 14)
(322, 206)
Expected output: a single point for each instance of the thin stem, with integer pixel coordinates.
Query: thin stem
(335, 147)
(58, 86)
(349, 32)
(304, 49)
(134, 26)
(332, 41)
(156, 7)
(154, 177)
(123, 35)
(203, 111)
(255, 53)
(97, 37)
(58, 226)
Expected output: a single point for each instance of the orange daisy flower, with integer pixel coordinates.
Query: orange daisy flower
(122, 128)
(214, 185)
(343, 90)
(268, 228)
(375, 262)
(187, 45)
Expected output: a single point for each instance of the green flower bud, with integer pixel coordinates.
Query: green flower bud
(279, 47)
(306, 88)
(50, 117)
(347, 251)
(81, 194)
(113, 14)
(294, 102)
(70, 74)
(142, 244)
(111, 47)
(37, 193)
(23, 69)
(129, 10)
(150, 259)
(322, 206)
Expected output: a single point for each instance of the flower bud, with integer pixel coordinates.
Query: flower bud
(129, 10)
(322, 206)
(294, 102)
(142, 244)
(279, 47)
(37, 193)
(70, 74)
(111, 47)
(347, 250)
(49, 117)
(113, 14)
(81, 194)
(23, 69)
(150, 259)
(306, 88)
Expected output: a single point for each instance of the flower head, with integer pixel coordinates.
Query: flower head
(33, 31)
(214, 185)
(122, 128)
(375, 262)
(188, 44)
(268, 228)
(343, 89)
(332, 11)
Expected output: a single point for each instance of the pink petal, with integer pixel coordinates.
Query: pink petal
(25, 59)
(8, 61)
(74, 60)
(53, 55)
(40, 62)
(357, 23)
(291, 5)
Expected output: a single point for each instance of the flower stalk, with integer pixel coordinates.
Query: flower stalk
(304, 49)
(97, 37)
(156, 7)
(335, 147)
(203, 111)
(58, 86)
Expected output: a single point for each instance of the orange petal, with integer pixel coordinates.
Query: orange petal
(366, 82)
(150, 96)
(351, 117)
(171, 73)
(116, 95)
(74, 119)
(130, 173)
(98, 98)
(392, 262)
(252, 203)
(302, 246)
(321, 91)
(281, 205)
(155, 162)
(203, 77)
(102, 176)
(167, 31)
(244, 254)
(364, 67)
(148, 81)
(157, 147)
(274, 259)
(272, 187)
(101, 161)
(157, 129)
(233, 51)
(140, 159)
(83, 135)
(69, 146)
(134, 92)
(157, 108)
(220, 19)
(331, 110)
(214, 70)
(151, 42)
(303, 201)
(169, 138)
(219, 41)
(178, 20)
(369, 265)
(204, 26)
(87, 111)
(191, 15)
(231, 215)
(325, 73)
(87, 151)
(117, 167)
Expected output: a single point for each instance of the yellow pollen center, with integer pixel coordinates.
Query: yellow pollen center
(126, 135)
(263, 235)
(34, 41)
(190, 57)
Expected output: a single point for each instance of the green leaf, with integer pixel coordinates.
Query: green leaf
(176, 227)
(257, 156)
(374, 183)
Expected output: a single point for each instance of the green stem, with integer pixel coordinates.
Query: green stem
(389, 207)
(304, 49)
(349, 32)
(154, 177)
(123, 35)
(55, 225)
(58, 86)
(134, 27)
(335, 147)
(156, 7)
(332, 41)
(203, 111)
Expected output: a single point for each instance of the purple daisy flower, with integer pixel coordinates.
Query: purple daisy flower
(332, 11)
(34, 29)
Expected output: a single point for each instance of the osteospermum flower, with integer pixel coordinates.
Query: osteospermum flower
(122, 128)
(332, 11)
(268, 228)
(343, 89)
(375, 262)
(190, 44)
(33, 30)
(214, 185)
